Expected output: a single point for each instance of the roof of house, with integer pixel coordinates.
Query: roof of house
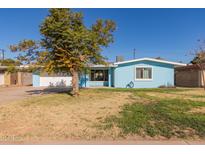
(151, 59)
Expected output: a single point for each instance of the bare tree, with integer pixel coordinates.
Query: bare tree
(199, 59)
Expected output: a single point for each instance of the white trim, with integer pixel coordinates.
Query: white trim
(151, 59)
(143, 79)
(97, 81)
(102, 66)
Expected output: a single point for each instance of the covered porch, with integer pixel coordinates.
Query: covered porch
(98, 76)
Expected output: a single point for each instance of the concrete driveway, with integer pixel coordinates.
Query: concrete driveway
(8, 94)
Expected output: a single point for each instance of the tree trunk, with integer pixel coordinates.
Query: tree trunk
(75, 83)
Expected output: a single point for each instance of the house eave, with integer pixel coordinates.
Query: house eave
(151, 59)
(102, 66)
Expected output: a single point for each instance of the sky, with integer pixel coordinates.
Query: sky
(168, 33)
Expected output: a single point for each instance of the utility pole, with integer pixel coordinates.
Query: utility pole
(134, 54)
(2, 52)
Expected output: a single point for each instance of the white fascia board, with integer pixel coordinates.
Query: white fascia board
(104, 66)
(151, 59)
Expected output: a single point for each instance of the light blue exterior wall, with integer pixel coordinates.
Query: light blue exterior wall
(123, 74)
(36, 79)
(163, 74)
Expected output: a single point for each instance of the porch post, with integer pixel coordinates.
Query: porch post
(109, 77)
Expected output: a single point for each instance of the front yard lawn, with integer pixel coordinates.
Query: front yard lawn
(162, 113)
(60, 117)
(167, 117)
(106, 114)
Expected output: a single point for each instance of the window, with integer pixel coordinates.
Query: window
(99, 75)
(143, 73)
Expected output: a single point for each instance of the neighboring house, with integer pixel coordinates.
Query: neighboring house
(189, 76)
(18, 78)
(137, 73)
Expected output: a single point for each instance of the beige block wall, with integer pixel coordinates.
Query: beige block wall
(26, 78)
(187, 78)
(7, 78)
(23, 78)
(19, 82)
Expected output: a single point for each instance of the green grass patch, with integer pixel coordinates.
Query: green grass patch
(161, 90)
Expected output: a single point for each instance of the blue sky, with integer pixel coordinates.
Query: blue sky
(168, 33)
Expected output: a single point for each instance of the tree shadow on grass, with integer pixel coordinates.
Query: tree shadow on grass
(50, 90)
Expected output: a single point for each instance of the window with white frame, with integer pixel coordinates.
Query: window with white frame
(143, 73)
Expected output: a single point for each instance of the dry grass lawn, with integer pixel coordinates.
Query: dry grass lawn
(56, 117)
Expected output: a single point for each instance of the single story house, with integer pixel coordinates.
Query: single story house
(19, 77)
(189, 76)
(136, 73)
